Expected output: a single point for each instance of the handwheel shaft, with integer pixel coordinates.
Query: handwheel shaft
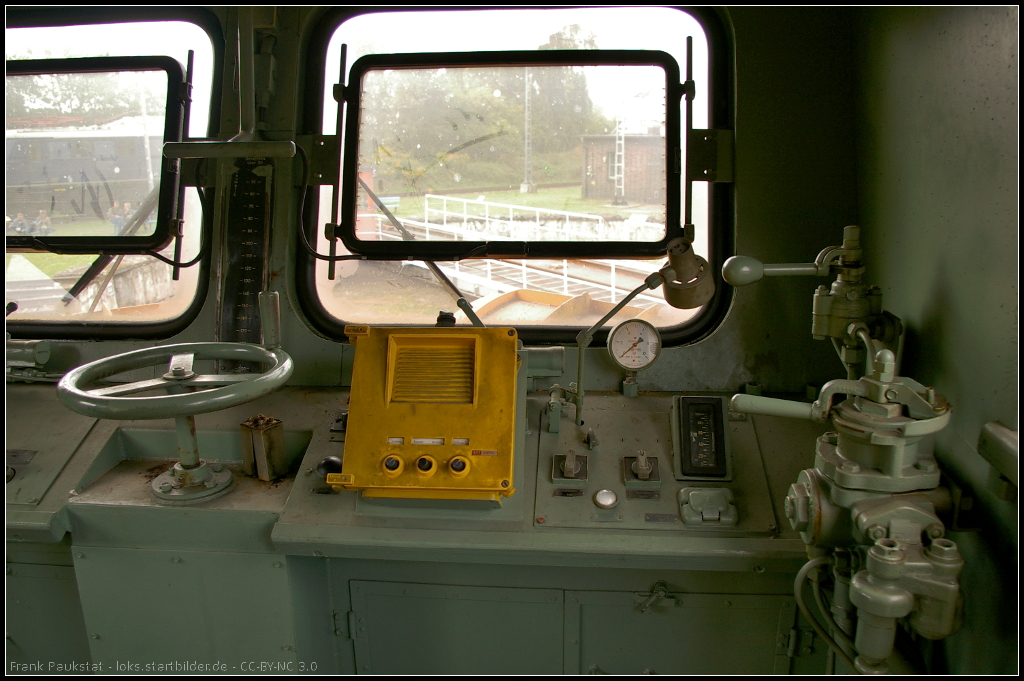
(188, 443)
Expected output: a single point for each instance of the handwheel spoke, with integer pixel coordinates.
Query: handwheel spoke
(128, 388)
(211, 380)
(181, 364)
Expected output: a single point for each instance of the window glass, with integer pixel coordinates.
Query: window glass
(86, 151)
(578, 158)
(445, 134)
(86, 146)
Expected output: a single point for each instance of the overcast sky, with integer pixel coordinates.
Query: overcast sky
(627, 28)
(172, 38)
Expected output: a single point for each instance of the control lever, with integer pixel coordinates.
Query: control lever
(849, 313)
(659, 592)
(642, 466)
(570, 467)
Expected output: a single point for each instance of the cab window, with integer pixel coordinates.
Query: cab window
(83, 159)
(567, 153)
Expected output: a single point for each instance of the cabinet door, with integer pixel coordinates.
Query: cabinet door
(402, 628)
(606, 633)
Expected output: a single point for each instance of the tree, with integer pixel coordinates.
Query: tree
(80, 99)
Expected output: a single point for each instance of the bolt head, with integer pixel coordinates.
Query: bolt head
(165, 487)
(798, 507)
(943, 550)
(850, 467)
(216, 468)
(876, 532)
(888, 550)
(926, 466)
(935, 530)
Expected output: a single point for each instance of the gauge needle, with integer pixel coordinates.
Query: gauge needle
(638, 341)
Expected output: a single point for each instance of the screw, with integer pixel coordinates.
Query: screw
(286, 647)
(95, 636)
(210, 484)
(935, 530)
(33, 500)
(540, 520)
(217, 468)
(309, 471)
(891, 395)
(175, 559)
(771, 526)
(759, 569)
(79, 554)
(277, 563)
(165, 487)
(504, 483)
(876, 532)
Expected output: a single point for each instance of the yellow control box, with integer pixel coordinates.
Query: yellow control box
(431, 413)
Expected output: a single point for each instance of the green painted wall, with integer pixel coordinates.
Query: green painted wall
(938, 202)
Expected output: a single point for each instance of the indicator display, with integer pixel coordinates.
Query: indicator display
(700, 437)
(634, 344)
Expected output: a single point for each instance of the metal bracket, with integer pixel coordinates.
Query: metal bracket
(324, 153)
(711, 155)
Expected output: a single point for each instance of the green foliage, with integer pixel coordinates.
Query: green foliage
(80, 99)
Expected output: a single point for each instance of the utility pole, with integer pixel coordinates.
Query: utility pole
(527, 187)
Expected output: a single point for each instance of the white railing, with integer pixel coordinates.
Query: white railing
(507, 221)
(510, 275)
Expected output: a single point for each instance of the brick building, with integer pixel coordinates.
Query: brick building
(644, 168)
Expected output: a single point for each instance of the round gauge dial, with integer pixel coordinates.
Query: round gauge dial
(634, 344)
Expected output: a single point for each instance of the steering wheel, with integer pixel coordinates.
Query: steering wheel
(227, 390)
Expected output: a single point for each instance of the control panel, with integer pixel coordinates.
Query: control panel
(655, 462)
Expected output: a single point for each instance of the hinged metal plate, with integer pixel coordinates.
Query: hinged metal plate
(710, 155)
(324, 155)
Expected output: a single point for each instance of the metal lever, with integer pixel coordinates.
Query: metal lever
(270, 318)
(642, 466)
(659, 591)
(570, 467)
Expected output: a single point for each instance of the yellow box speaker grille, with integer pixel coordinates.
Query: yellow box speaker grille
(430, 371)
(431, 413)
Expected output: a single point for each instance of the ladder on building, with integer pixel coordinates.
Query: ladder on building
(620, 162)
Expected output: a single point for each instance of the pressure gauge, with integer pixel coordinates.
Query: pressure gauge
(634, 344)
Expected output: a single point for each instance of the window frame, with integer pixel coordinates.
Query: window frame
(721, 206)
(40, 17)
(169, 175)
(457, 250)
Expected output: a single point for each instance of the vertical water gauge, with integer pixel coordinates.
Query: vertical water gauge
(246, 252)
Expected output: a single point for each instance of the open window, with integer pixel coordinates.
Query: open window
(83, 163)
(569, 233)
(436, 129)
(99, 207)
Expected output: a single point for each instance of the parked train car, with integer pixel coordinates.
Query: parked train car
(515, 341)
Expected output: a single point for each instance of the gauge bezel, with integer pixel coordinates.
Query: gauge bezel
(615, 331)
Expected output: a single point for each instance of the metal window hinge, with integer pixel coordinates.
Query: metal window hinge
(710, 155)
(355, 630)
(800, 641)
